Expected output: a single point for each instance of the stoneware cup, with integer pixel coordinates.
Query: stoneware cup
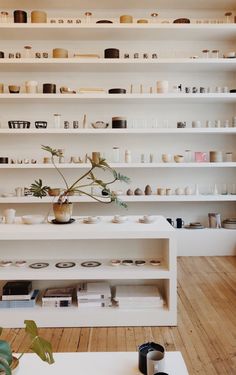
(155, 362)
(9, 215)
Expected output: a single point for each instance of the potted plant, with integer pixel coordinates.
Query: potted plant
(38, 345)
(63, 207)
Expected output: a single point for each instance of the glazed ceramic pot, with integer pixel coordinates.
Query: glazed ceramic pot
(126, 19)
(38, 16)
(20, 16)
(60, 53)
(62, 212)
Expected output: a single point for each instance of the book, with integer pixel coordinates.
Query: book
(96, 290)
(21, 303)
(17, 297)
(58, 292)
(137, 292)
(17, 287)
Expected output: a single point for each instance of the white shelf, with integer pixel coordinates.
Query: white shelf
(121, 165)
(126, 198)
(105, 271)
(206, 32)
(119, 4)
(103, 317)
(91, 98)
(105, 229)
(110, 131)
(118, 65)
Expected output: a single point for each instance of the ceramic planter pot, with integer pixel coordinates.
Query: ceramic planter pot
(62, 212)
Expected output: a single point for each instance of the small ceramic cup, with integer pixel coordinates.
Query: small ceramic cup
(166, 158)
(13, 89)
(31, 87)
(9, 215)
(178, 158)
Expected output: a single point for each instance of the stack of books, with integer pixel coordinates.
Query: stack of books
(18, 294)
(138, 297)
(58, 297)
(97, 294)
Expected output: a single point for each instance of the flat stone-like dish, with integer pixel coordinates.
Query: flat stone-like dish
(91, 263)
(65, 264)
(39, 265)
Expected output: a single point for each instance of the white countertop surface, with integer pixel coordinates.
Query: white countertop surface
(118, 363)
(103, 229)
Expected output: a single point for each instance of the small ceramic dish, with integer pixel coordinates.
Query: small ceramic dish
(67, 90)
(155, 262)
(91, 220)
(146, 219)
(32, 219)
(100, 125)
(5, 263)
(127, 262)
(20, 263)
(140, 263)
(115, 262)
(118, 219)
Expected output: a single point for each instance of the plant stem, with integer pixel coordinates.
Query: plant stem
(29, 347)
(93, 197)
(60, 173)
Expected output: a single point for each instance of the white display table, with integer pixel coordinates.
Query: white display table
(118, 363)
(102, 242)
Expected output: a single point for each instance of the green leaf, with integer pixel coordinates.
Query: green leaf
(52, 151)
(122, 178)
(5, 367)
(38, 190)
(5, 351)
(39, 346)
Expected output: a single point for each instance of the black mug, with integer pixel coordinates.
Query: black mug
(144, 349)
(179, 222)
(170, 221)
(20, 16)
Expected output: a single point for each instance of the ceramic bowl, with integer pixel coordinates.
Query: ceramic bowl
(100, 125)
(13, 89)
(32, 219)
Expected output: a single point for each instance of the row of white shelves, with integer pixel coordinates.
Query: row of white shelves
(94, 97)
(117, 65)
(119, 4)
(120, 165)
(111, 131)
(162, 31)
(126, 198)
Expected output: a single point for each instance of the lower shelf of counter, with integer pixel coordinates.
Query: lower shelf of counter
(89, 317)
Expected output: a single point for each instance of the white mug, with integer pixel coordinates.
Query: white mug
(155, 362)
(31, 87)
(9, 215)
(162, 87)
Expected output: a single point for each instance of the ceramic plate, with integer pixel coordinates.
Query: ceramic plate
(58, 222)
(194, 227)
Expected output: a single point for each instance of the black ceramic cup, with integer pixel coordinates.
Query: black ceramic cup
(111, 53)
(144, 349)
(3, 160)
(49, 88)
(2, 55)
(170, 221)
(117, 91)
(179, 223)
(20, 16)
(119, 123)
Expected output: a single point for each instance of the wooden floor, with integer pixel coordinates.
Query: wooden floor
(206, 331)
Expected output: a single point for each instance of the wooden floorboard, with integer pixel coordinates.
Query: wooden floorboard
(206, 331)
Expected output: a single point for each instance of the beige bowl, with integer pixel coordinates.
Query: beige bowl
(13, 89)
(32, 219)
(60, 53)
(178, 158)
